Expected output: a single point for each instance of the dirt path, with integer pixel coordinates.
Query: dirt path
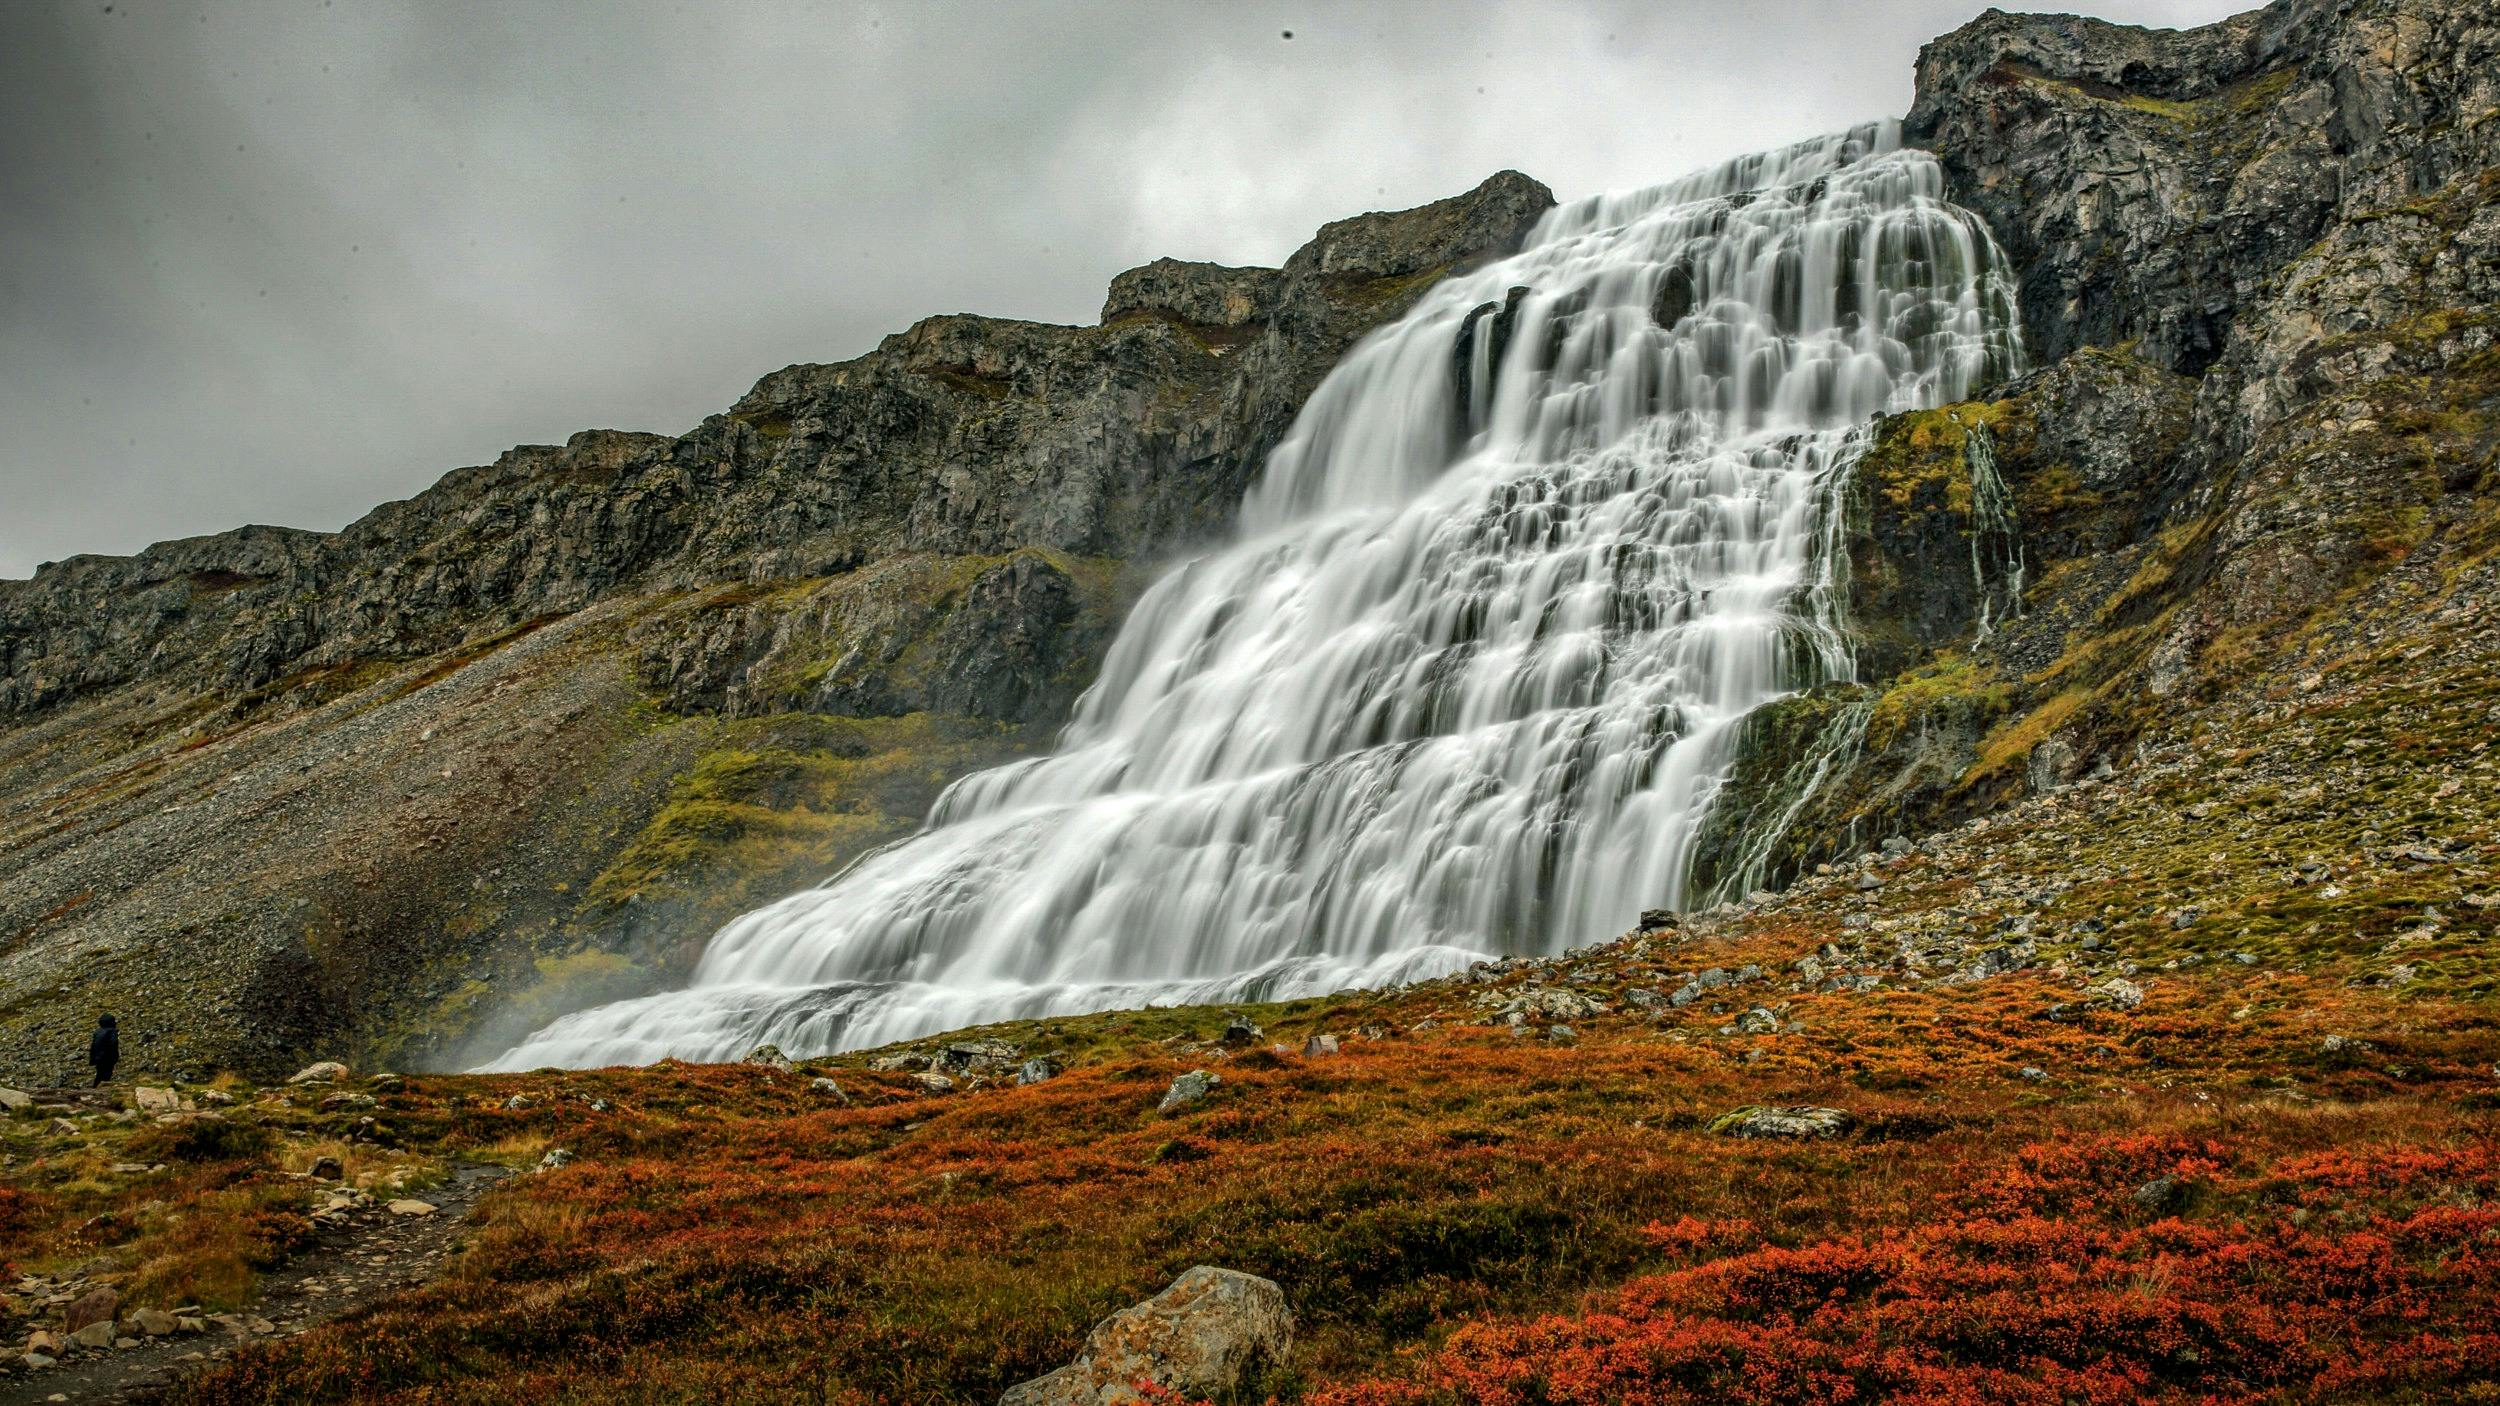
(375, 1253)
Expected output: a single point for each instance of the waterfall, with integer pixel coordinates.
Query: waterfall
(1471, 673)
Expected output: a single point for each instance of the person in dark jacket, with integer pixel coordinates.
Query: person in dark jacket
(104, 1050)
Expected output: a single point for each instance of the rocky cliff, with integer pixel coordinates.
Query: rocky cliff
(2260, 281)
(524, 739)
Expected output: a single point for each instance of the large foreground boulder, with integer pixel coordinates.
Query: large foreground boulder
(1207, 1333)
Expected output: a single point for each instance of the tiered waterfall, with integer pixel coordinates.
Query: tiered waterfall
(1469, 677)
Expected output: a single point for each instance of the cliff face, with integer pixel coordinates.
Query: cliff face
(2260, 270)
(524, 739)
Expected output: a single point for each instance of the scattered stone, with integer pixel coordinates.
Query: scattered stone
(975, 1057)
(1553, 1003)
(153, 1322)
(1757, 1021)
(15, 1101)
(2034, 1073)
(1319, 1045)
(156, 1100)
(1562, 1035)
(411, 1208)
(328, 1169)
(2163, 1195)
(328, 1071)
(769, 1056)
(94, 1335)
(1657, 919)
(932, 1082)
(2122, 993)
(1240, 1033)
(36, 1362)
(1190, 1088)
(1206, 1335)
(1759, 1121)
(1038, 1070)
(822, 1085)
(557, 1159)
(517, 1102)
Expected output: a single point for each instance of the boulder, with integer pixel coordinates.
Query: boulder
(1190, 1088)
(2164, 1195)
(1038, 1069)
(1319, 1045)
(94, 1335)
(328, 1169)
(557, 1159)
(829, 1089)
(2121, 993)
(1759, 1121)
(975, 1057)
(152, 1322)
(14, 1100)
(92, 1307)
(1209, 1333)
(412, 1208)
(149, 1100)
(328, 1071)
(769, 1056)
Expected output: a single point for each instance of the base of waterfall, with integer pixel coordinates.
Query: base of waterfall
(722, 1023)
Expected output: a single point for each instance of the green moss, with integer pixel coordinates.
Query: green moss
(1381, 294)
(1952, 682)
(1919, 460)
(768, 816)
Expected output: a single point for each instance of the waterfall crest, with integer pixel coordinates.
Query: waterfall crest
(1468, 679)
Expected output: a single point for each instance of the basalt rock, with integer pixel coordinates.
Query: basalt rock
(2260, 282)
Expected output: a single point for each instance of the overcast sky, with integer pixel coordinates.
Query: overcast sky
(281, 260)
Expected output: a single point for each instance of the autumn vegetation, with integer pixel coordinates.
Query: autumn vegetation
(2277, 1178)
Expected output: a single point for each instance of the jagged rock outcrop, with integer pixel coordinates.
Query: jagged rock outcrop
(521, 741)
(2260, 273)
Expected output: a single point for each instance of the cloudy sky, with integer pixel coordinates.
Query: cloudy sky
(281, 260)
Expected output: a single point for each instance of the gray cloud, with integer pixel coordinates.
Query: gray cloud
(280, 260)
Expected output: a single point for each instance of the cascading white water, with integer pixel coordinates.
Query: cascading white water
(1468, 680)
